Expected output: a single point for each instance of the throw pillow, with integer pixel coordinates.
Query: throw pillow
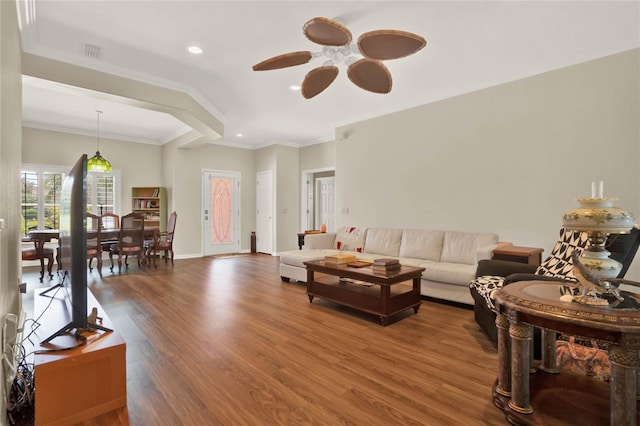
(350, 238)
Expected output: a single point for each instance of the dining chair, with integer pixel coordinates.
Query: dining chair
(130, 240)
(32, 253)
(163, 241)
(109, 221)
(94, 241)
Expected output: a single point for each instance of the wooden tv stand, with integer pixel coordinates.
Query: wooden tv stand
(76, 384)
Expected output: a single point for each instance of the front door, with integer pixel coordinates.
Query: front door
(221, 215)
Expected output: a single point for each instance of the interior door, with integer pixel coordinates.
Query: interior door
(264, 212)
(221, 214)
(325, 206)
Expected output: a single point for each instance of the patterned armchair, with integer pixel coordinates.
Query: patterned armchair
(491, 275)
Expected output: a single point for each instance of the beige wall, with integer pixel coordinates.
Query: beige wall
(179, 170)
(10, 143)
(287, 187)
(318, 156)
(187, 195)
(139, 164)
(283, 161)
(508, 159)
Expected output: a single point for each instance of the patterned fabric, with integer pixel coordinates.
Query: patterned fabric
(486, 287)
(582, 357)
(558, 264)
(350, 238)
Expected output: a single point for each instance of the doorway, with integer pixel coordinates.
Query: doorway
(318, 199)
(221, 213)
(324, 201)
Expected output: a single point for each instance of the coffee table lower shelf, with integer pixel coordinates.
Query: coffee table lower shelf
(374, 294)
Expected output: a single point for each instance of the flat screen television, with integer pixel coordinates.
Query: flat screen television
(73, 250)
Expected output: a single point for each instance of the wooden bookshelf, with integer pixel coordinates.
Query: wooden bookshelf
(151, 201)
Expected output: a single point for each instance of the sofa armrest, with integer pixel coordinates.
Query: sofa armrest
(324, 240)
(486, 252)
(503, 268)
(533, 277)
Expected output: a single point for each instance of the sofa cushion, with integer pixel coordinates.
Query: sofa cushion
(462, 247)
(384, 241)
(350, 238)
(298, 257)
(450, 273)
(422, 244)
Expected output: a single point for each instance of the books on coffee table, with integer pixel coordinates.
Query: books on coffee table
(386, 261)
(339, 259)
(384, 265)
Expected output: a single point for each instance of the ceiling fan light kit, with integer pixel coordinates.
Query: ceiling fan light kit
(368, 73)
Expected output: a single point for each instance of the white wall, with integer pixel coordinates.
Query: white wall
(508, 159)
(10, 143)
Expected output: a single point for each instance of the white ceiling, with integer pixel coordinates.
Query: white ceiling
(470, 45)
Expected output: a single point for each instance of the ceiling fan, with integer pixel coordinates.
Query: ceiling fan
(368, 73)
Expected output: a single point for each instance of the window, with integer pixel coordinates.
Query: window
(40, 195)
(100, 193)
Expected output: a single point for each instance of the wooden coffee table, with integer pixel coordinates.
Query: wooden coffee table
(362, 289)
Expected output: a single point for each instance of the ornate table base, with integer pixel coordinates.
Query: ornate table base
(561, 399)
(546, 396)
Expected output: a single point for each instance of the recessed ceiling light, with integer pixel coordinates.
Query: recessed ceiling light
(194, 49)
(294, 87)
(239, 135)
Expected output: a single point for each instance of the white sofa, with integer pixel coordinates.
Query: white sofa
(450, 258)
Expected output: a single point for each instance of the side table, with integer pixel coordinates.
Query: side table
(551, 397)
(530, 255)
(302, 234)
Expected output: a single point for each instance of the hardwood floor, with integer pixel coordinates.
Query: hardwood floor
(223, 341)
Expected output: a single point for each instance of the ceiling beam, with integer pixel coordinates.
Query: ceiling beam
(127, 91)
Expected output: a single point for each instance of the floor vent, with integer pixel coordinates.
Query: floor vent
(92, 51)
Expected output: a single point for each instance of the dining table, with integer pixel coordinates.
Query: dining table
(42, 236)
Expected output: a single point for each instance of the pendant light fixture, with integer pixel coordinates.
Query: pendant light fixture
(98, 163)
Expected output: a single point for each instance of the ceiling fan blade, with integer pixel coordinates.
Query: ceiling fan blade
(370, 75)
(284, 61)
(317, 80)
(327, 32)
(389, 44)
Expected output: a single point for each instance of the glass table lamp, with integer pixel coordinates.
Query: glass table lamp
(599, 218)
